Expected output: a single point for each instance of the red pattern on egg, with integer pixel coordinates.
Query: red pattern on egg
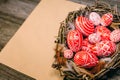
(94, 38)
(95, 18)
(105, 48)
(115, 35)
(85, 59)
(106, 19)
(91, 48)
(84, 25)
(103, 32)
(68, 54)
(74, 40)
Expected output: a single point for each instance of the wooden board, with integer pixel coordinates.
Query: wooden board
(7, 73)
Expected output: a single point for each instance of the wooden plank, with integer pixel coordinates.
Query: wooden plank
(7, 73)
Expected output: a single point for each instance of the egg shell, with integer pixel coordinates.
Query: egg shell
(74, 40)
(84, 25)
(68, 54)
(106, 19)
(91, 48)
(85, 59)
(103, 32)
(94, 38)
(95, 18)
(85, 42)
(86, 46)
(115, 35)
(105, 48)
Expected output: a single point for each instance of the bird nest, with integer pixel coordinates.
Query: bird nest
(66, 66)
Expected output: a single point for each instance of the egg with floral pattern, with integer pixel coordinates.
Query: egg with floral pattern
(106, 19)
(85, 59)
(74, 40)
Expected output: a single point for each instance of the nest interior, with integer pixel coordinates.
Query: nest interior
(66, 67)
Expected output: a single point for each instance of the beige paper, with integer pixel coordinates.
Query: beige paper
(31, 49)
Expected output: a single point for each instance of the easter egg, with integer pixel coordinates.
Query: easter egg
(105, 48)
(74, 40)
(103, 32)
(115, 35)
(68, 54)
(84, 25)
(85, 42)
(86, 46)
(106, 19)
(94, 38)
(95, 18)
(91, 48)
(85, 59)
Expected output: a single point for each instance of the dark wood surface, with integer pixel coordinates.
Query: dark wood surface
(7, 73)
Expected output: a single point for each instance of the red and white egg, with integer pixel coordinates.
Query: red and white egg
(103, 32)
(115, 35)
(95, 18)
(68, 53)
(106, 19)
(105, 48)
(94, 38)
(91, 48)
(84, 25)
(85, 59)
(74, 40)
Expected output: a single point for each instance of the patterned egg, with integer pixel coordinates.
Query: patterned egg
(95, 18)
(105, 48)
(85, 59)
(115, 35)
(94, 38)
(74, 40)
(91, 48)
(86, 46)
(85, 42)
(84, 25)
(68, 54)
(103, 32)
(106, 19)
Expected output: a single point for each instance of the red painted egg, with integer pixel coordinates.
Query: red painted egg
(86, 46)
(74, 40)
(68, 54)
(115, 35)
(84, 25)
(85, 42)
(106, 48)
(94, 38)
(85, 59)
(91, 48)
(103, 32)
(106, 19)
(95, 18)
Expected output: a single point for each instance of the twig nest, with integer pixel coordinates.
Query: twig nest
(115, 35)
(106, 19)
(68, 53)
(94, 38)
(103, 32)
(85, 59)
(84, 25)
(74, 40)
(105, 48)
(95, 18)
